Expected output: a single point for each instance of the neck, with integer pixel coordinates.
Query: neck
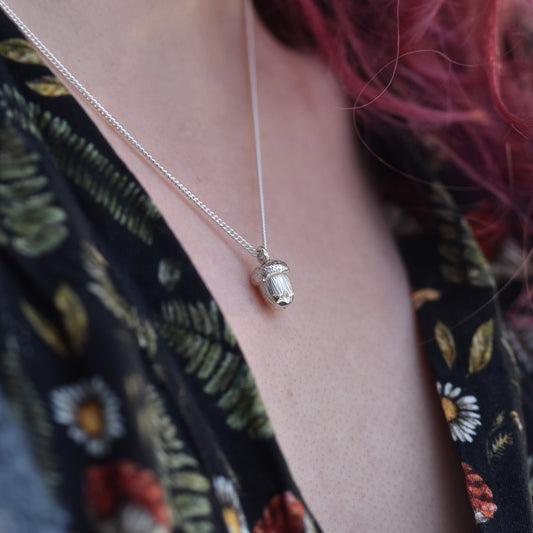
(191, 30)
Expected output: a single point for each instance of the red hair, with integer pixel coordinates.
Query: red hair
(457, 74)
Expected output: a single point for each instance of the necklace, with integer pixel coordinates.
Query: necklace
(271, 275)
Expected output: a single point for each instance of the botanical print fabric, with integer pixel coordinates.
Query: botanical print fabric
(138, 406)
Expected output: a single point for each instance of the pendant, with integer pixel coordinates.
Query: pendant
(271, 278)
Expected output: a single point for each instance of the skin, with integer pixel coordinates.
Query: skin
(340, 372)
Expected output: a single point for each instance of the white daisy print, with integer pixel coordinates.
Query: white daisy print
(231, 506)
(134, 519)
(90, 410)
(461, 412)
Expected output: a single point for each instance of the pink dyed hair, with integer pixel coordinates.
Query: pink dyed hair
(458, 74)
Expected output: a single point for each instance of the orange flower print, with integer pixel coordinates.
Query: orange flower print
(284, 514)
(480, 495)
(125, 498)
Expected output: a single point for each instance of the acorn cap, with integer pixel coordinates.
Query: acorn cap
(266, 270)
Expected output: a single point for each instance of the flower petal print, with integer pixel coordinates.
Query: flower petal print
(90, 410)
(232, 512)
(134, 519)
(461, 412)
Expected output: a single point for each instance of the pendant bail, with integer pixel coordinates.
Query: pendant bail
(262, 254)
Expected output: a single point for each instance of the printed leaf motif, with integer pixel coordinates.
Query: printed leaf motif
(462, 259)
(421, 296)
(481, 347)
(18, 111)
(169, 273)
(451, 253)
(44, 328)
(83, 164)
(447, 231)
(73, 314)
(500, 436)
(453, 274)
(29, 220)
(48, 86)
(29, 409)
(515, 417)
(104, 289)
(497, 445)
(200, 336)
(74, 318)
(20, 51)
(479, 273)
(188, 489)
(401, 223)
(446, 343)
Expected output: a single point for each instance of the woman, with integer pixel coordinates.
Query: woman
(142, 414)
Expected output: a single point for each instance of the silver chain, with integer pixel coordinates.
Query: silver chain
(115, 124)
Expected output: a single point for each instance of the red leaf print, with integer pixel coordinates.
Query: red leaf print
(480, 495)
(284, 514)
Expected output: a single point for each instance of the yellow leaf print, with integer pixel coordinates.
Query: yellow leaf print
(19, 50)
(421, 296)
(73, 314)
(515, 417)
(481, 348)
(48, 86)
(44, 328)
(446, 343)
(497, 446)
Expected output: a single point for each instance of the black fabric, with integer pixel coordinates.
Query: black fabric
(138, 404)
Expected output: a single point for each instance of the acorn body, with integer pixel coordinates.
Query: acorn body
(274, 283)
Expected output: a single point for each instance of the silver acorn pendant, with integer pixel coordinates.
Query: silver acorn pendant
(272, 279)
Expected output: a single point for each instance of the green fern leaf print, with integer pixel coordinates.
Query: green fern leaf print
(462, 260)
(188, 489)
(84, 165)
(29, 409)
(30, 222)
(102, 286)
(200, 336)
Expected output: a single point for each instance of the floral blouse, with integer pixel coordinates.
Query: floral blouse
(138, 411)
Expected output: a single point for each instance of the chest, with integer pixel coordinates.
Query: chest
(345, 385)
(346, 388)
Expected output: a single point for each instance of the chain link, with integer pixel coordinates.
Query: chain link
(115, 124)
